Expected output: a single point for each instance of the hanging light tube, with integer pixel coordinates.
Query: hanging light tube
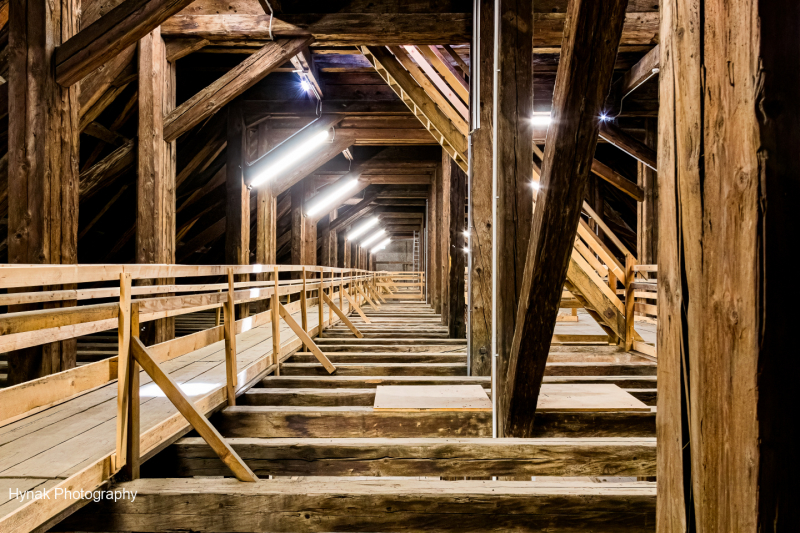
(372, 238)
(381, 245)
(329, 197)
(292, 157)
(362, 228)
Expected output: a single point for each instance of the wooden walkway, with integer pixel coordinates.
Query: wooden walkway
(338, 465)
(75, 440)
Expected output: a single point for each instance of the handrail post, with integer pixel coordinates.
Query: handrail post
(630, 262)
(230, 341)
(341, 291)
(276, 329)
(123, 368)
(218, 314)
(303, 305)
(321, 299)
(330, 310)
(134, 434)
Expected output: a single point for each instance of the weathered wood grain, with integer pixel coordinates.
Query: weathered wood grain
(584, 76)
(211, 505)
(419, 457)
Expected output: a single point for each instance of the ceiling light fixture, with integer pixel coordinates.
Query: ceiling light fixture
(362, 228)
(372, 238)
(292, 157)
(335, 192)
(381, 245)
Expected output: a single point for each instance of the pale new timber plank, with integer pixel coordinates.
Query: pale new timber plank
(593, 397)
(432, 398)
(324, 504)
(75, 440)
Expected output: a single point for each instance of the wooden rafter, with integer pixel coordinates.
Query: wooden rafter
(419, 102)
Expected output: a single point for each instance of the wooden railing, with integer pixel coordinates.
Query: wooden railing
(597, 251)
(401, 285)
(31, 328)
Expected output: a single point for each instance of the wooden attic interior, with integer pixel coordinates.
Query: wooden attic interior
(559, 318)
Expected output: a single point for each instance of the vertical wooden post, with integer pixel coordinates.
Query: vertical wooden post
(276, 326)
(513, 166)
(443, 227)
(330, 293)
(319, 304)
(728, 162)
(341, 292)
(218, 314)
(630, 277)
(457, 259)
(132, 452)
(43, 155)
(155, 215)
(647, 209)
(591, 39)
(266, 217)
(237, 212)
(303, 306)
(480, 194)
(230, 341)
(124, 363)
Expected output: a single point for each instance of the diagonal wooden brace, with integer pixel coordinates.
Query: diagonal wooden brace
(367, 298)
(186, 407)
(344, 318)
(303, 336)
(355, 306)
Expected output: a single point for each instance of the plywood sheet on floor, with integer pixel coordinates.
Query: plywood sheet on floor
(431, 398)
(589, 397)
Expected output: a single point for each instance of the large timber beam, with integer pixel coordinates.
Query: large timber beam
(418, 457)
(456, 256)
(110, 35)
(513, 166)
(613, 134)
(210, 505)
(43, 155)
(230, 85)
(728, 160)
(331, 28)
(155, 169)
(584, 76)
(237, 212)
(481, 200)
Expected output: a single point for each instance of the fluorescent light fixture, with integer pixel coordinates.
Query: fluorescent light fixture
(362, 228)
(291, 158)
(381, 245)
(535, 185)
(304, 84)
(541, 119)
(372, 238)
(466, 250)
(466, 233)
(329, 197)
(603, 117)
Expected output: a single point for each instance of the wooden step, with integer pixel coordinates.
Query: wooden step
(393, 342)
(417, 457)
(646, 396)
(377, 369)
(338, 397)
(382, 357)
(339, 422)
(387, 335)
(351, 382)
(448, 348)
(339, 504)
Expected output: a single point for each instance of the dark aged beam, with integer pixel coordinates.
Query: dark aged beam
(613, 134)
(229, 86)
(584, 76)
(112, 33)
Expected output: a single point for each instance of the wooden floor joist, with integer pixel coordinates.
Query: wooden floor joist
(325, 504)
(419, 457)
